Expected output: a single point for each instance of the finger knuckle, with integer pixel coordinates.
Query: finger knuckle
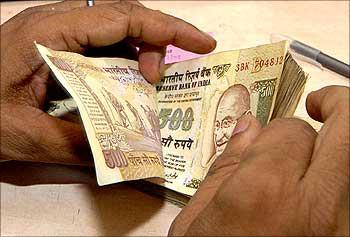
(158, 12)
(335, 90)
(29, 23)
(129, 7)
(277, 122)
(29, 10)
(131, 15)
(294, 127)
(34, 11)
(301, 126)
(122, 7)
(336, 97)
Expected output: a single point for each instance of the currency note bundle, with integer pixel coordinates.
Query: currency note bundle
(176, 129)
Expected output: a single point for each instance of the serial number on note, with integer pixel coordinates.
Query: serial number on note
(259, 64)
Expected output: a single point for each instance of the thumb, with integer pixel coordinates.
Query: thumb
(246, 130)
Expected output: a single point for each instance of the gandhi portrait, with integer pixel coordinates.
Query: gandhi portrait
(233, 103)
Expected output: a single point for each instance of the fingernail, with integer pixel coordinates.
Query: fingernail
(242, 125)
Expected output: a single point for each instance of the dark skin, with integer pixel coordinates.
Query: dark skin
(284, 179)
(27, 133)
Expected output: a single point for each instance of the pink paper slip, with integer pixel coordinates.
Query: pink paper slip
(175, 54)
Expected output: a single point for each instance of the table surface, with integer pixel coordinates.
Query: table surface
(66, 200)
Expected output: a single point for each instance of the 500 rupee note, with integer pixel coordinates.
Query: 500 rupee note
(199, 102)
(118, 110)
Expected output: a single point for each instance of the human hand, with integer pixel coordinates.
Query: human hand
(27, 133)
(284, 179)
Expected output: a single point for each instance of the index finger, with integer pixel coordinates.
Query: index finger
(330, 105)
(327, 102)
(108, 24)
(330, 160)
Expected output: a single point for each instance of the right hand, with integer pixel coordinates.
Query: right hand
(290, 180)
(28, 133)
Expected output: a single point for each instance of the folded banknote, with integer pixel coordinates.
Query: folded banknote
(175, 130)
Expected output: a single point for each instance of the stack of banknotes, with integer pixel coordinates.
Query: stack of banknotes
(171, 133)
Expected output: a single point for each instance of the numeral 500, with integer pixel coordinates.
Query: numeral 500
(176, 119)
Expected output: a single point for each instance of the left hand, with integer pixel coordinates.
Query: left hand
(28, 133)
